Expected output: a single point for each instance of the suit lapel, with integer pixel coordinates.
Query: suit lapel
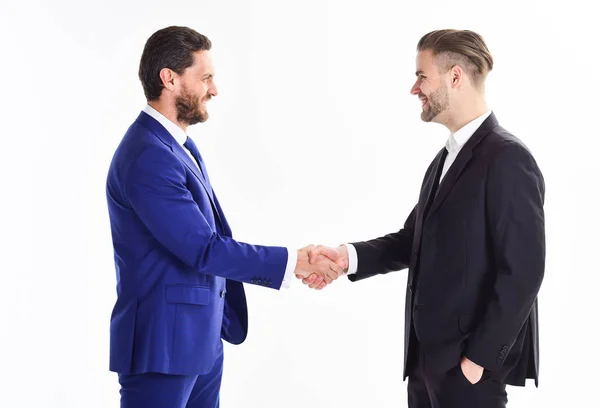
(176, 148)
(432, 185)
(179, 152)
(226, 228)
(461, 161)
(451, 177)
(427, 190)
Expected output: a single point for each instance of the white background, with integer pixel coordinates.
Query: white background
(314, 138)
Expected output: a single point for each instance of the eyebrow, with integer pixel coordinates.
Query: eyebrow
(419, 72)
(206, 76)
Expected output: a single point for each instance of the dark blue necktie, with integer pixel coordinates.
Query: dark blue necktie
(191, 146)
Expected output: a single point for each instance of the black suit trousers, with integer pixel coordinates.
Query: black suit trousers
(450, 389)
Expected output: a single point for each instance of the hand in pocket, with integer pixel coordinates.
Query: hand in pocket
(471, 371)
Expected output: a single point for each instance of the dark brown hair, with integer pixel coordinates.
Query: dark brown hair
(171, 47)
(459, 47)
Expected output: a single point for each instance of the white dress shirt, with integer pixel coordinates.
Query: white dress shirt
(181, 137)
(454, 143)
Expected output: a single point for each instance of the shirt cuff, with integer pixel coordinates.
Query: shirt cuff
(352, 259)
(290, 268)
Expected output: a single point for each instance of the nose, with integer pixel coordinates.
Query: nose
(212, 90)
(415, 90)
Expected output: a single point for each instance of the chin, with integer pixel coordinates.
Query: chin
(425, 117)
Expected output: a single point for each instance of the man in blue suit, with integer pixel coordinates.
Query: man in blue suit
(179, 271)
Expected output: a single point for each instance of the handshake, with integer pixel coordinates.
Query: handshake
(318, 266)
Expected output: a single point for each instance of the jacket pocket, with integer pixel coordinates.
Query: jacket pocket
(191, 295)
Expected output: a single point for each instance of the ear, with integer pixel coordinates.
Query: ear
(457, 76)
(168, 78)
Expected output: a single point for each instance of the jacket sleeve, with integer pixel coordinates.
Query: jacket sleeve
(515, 217)
(385, 254)
(155, 185)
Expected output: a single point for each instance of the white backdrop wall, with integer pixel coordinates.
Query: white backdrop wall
(314, 138)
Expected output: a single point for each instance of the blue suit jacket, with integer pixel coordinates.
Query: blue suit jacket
(179, 271)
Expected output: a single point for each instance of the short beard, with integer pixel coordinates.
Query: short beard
(438, 102)
(189, 109)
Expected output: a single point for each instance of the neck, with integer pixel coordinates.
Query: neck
(466, 111)
(169, 111)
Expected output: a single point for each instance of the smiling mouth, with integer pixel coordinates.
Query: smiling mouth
(424, 102)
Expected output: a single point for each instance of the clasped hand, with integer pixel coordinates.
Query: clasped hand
(318, 266)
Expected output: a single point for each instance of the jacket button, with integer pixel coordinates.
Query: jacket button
(223, 293)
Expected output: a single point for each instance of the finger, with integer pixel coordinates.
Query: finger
(313, 255)
(330, 253)
(316, 283)
(310, 280)
(307, 249)
(331, 275)
(336, 268)
(321, 286)
(332, 270)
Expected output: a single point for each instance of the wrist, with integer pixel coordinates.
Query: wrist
(343, 253)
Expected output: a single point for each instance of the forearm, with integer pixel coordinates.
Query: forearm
(227, 258)
(382, 255)
(389, 253)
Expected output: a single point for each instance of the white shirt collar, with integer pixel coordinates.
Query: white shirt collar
(456, 140)
(178, 133)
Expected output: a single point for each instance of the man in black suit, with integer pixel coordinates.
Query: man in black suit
(474, 244)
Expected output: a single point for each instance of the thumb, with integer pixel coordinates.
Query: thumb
(308, 250)
(327, 252)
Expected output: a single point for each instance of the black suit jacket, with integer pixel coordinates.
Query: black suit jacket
(475, 250)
